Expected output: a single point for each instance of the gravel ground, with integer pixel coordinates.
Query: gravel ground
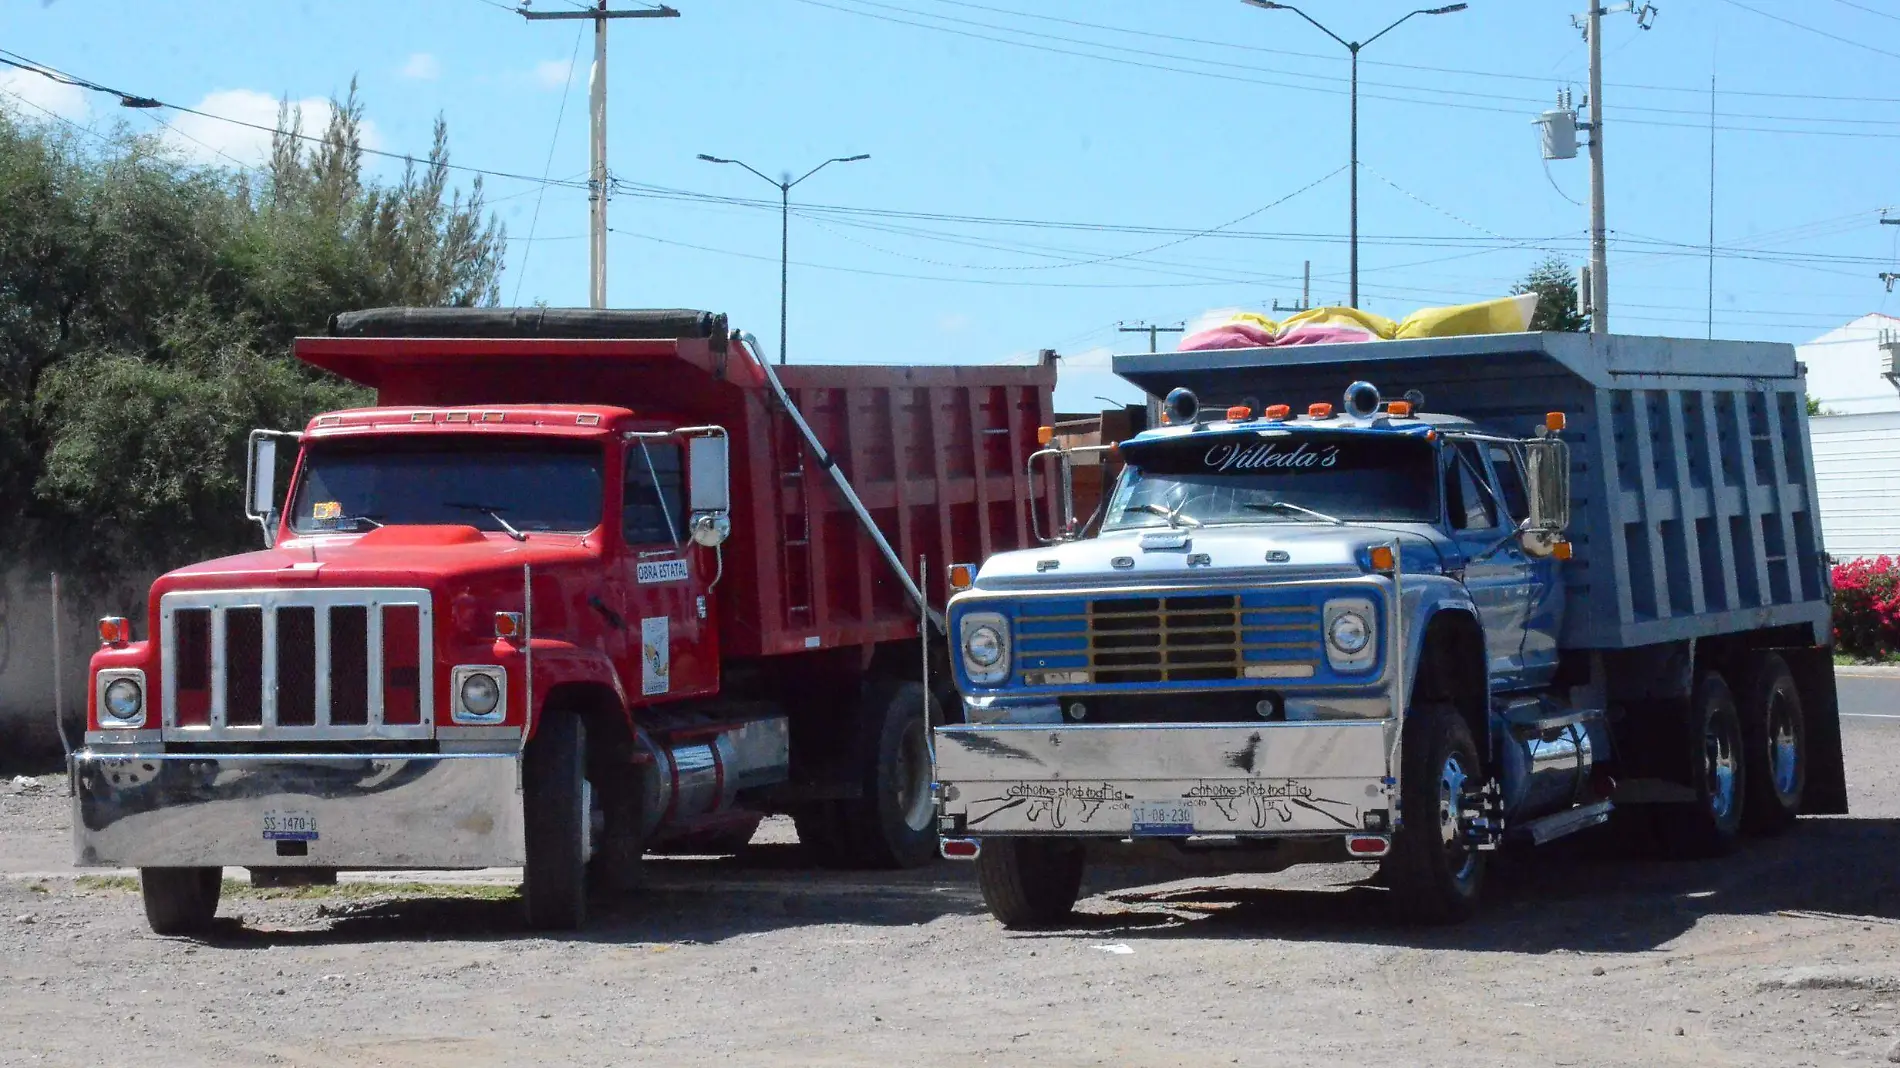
(1786, 954)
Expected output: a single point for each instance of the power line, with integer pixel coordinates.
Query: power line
(1812, 30)
(567, 90)
(1869, 10)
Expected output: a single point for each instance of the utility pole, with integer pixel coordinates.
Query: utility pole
(597, 133)
(1306, 292)
(1889, 277)
(1592, 27)
(1153, 331)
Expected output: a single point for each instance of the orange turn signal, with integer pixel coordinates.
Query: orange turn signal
(1401, 409)
(508, 625)
(1319, 411)
(115, 630)
(1045, 434)
(962, 576)
(1278, 411)
(1382, 558)
(1561, 550)
(1239, 412)
(1554, 421)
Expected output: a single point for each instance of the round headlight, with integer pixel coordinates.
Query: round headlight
(1349, 633)
(984, 646)
(124, 699)
(480, 694)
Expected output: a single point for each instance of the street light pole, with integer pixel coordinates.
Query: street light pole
(784, 226)
(1353, 47)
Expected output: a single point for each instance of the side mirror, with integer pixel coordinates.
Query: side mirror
(260, 481)
(708, 488)
(1547, 478)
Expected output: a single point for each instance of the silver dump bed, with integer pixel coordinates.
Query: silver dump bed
(1691, 477)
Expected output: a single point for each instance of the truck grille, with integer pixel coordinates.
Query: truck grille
(1170, 638)
(317, 665)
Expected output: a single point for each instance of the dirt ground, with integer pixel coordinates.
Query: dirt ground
(1786, 954)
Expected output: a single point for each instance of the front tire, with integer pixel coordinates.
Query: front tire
(1030, 883)
(1774, 748)
(180, 901)
(1710, 825)
(893, 824)
(1434, 870)
(555, 810)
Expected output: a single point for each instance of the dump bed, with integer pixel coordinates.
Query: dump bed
(1691, 475)
(935, 454)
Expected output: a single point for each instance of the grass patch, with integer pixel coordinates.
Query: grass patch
(1885, 660)
(342, 891)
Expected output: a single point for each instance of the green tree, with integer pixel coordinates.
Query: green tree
(1555, 284)
(146, 310)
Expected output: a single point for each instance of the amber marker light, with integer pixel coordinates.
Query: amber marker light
(1399, 409)
(508, 625)
(1321, 410)
(1553, 421)
(1045, 434)
(1239, 412)
(962, 576)
(114, 630)
(1383, 559)
(1277, 412)
(1562, 550)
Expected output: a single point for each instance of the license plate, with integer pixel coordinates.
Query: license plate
(1162, 817)
(290, 827)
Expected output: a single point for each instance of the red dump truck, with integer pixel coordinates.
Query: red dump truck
(582, 585)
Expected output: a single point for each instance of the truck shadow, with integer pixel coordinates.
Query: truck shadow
(1598, 893)
(685, 900)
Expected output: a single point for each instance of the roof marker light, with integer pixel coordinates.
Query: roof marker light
(1321, 410)
(1238, 413)
(587, 419)
(1277, 412)
(1399, 409)
(421, 417)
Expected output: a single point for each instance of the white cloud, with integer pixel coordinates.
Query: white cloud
(32, 95)
(553, 73)
(422, 67)
(1212, 317)
(207, 140)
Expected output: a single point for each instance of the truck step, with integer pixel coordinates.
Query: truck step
(1559, 824)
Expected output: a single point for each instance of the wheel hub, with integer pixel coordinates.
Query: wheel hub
(1720, 766)
(911, 782)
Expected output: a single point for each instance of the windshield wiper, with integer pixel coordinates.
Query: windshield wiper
(1261, 506)
(1172, 515)
(491, 512)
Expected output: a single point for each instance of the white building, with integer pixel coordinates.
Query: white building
(1857, 437)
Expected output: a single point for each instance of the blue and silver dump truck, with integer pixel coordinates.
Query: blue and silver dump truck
(1406, 601)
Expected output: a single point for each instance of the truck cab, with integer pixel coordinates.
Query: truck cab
(1361, 631)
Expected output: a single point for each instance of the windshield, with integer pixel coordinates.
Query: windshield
(510, 485)
(1275, 476)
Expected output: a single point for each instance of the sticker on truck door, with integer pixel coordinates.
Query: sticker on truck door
(661, 571)
(656, 659)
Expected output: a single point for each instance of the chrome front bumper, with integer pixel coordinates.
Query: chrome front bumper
(279, 810)
(1248, 779)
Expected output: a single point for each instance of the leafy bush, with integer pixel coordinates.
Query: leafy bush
(1867, 607)
(146, 311)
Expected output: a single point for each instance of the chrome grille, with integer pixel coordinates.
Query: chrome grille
(1168, 638)
(305, 664)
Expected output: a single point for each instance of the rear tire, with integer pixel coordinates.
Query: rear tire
(180, 901)
(1774, 748)
(554, 802)
(893, 824)
(1434, 871)
(1029, 883)
(1709, 825)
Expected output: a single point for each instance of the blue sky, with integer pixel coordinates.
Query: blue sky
(1040, 168)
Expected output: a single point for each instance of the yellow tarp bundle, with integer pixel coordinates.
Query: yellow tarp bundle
(1504, 315)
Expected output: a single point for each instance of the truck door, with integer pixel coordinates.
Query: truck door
(1495, 576)
(1543, 593)
(662, 606)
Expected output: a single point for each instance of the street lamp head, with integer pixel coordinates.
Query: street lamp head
(1447, 9)
(713, 159)
(1266, 4)
(856, 158)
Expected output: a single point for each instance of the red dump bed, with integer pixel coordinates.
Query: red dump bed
(935, 453)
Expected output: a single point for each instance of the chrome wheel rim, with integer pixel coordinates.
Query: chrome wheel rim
(1721, 765)
(912, 779)
(1784, 748)
(1460, 857)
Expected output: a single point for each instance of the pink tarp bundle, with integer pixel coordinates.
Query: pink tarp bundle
(1336, 325)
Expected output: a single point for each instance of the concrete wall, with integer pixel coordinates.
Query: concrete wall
(26, 650)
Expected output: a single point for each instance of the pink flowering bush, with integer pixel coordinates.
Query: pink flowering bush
(1867, 607)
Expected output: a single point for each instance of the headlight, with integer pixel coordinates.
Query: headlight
(1352, 634)
(1349, 633)
(125, 699)
(984, 645)
(983, 638)
(480, 694)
